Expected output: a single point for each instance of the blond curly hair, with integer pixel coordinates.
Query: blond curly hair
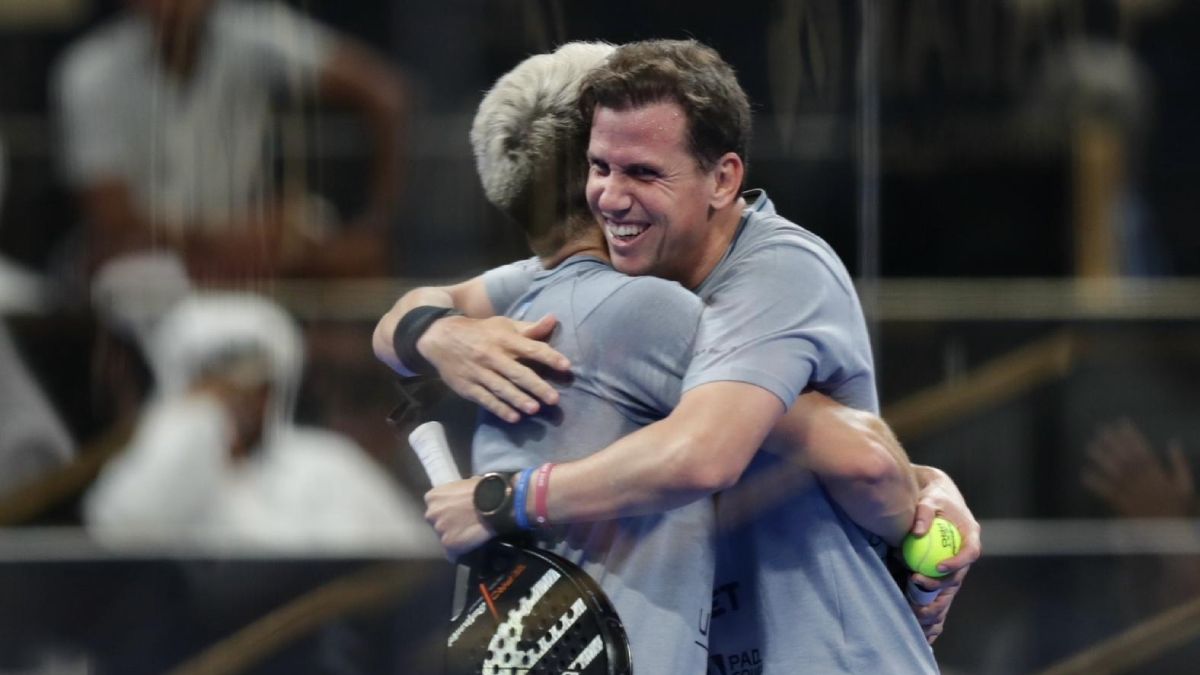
(529, 141)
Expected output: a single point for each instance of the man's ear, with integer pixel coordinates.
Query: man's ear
(727, 181)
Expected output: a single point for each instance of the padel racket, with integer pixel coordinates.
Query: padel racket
(527, 611)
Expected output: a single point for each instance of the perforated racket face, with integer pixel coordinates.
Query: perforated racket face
(532, 613)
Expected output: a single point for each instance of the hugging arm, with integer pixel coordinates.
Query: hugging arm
(853, 453)
(857, 460)
(860, 462)
(478, 355)
(702, 447)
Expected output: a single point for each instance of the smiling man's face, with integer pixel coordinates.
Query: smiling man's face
(650, 194)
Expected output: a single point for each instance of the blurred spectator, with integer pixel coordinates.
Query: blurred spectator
(1129, 476)
(33, 439)
(216, 459)
(166, 122)
(130, 295)
(1100, 95)
(20, 289)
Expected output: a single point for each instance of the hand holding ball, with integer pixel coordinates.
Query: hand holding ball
(922, 554)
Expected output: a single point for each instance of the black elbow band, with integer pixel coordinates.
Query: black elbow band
(410, 329)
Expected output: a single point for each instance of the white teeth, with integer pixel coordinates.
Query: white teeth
(625, 230)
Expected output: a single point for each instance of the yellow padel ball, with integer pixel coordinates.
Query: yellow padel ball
(922, 554)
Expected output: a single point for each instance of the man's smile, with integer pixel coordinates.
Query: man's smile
(624, 232)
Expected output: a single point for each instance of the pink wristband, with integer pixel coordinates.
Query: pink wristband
(541, 490)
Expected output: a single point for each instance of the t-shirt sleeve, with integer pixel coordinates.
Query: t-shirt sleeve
(93, 143)
(506, 283)
(787, 318)
(641, 339)
(285, 44)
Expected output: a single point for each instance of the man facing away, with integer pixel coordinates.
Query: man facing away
(629, 339)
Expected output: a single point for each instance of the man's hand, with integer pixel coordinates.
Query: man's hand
(245, 405)
(939, 495)
(932, 617)
(450, 509)
(481, 360)
(1126, 473)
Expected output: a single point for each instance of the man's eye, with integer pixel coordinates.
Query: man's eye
(599, 167)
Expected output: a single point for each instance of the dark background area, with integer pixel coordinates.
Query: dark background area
(976, 181)
(960, 194)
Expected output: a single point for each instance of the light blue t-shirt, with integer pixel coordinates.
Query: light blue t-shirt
(799, 587)
(629, 340)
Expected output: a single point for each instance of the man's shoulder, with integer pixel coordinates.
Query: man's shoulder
(649, 307)
(764, 227)
(96, 61)
(240, 20)
(657, 289)
(266, 29)
(601, 281)
(767, 235)
(770, 254)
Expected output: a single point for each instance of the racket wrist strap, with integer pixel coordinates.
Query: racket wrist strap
(920, 595)
(411, 327)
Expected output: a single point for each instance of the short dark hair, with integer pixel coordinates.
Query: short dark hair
(686, 72)
(529, 143)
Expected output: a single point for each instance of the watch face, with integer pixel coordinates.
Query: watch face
(490, 493)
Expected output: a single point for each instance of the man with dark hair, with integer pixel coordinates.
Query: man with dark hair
(781, 318)
(629, 339)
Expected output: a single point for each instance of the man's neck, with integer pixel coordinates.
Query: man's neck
(179, 48)
(723, 228)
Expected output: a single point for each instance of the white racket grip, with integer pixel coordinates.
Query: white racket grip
(921, 596)
(429, 442)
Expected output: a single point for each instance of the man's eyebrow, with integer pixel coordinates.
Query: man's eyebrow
(641, 167)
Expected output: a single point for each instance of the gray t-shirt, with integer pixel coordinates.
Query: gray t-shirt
(629, 340)
(798, 584)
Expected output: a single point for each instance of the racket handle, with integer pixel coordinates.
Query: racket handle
(429, 442)
(921, 596)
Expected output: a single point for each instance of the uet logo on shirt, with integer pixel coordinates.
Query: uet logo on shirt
(725, 599)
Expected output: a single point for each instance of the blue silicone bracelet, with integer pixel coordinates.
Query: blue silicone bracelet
(520, 513)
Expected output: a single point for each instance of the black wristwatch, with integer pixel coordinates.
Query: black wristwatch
(494, 501)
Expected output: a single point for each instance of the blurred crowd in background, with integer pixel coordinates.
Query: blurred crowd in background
(206, 204)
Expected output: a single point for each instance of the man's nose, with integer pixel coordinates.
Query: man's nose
(614, 197)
